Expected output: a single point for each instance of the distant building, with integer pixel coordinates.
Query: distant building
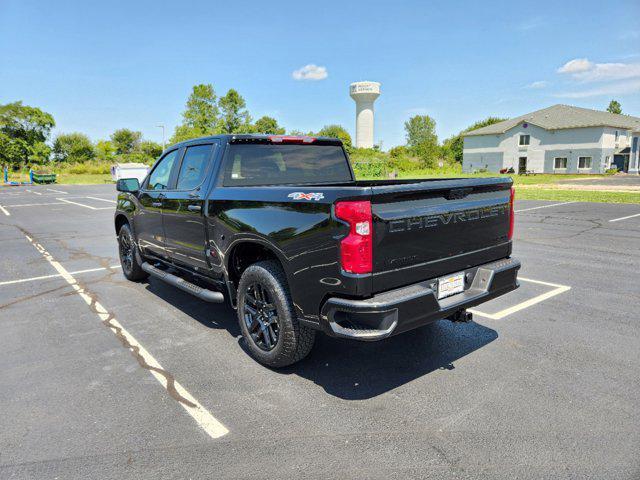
(558, 139)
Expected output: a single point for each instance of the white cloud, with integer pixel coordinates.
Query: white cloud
(310, 72)
(614, 78)
(602, 72)
(576, 65)
(537, 85)
(617, 88)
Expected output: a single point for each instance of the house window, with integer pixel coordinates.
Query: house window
(560, 163)
(617, 135)
(584, 163)
(524, 139)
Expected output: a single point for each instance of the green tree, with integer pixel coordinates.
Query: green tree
(337, 131)
(125, 140)
(73, 147)
(24, 131)
(453, 146)
(268, 125)
(105, 150)
(422, 139)
(150, 149)
(420, 129)
(614, 107)
(235, 117)
(201, 116)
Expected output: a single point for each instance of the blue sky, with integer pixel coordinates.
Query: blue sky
(98, 66)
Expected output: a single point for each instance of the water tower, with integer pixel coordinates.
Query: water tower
(364, 94)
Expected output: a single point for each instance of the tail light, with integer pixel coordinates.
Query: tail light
(356, 249)
(512, 213)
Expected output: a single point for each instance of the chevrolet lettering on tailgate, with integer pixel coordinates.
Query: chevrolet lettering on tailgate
(429, 221)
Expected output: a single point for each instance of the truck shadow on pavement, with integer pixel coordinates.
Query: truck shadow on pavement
(353, 370)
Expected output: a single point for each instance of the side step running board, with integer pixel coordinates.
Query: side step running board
(182, 284)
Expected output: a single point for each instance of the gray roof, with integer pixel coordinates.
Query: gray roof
(559, 117)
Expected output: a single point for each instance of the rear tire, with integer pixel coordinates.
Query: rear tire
(130, 258)
(267, 318)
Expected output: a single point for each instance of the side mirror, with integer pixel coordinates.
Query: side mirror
(130, 185)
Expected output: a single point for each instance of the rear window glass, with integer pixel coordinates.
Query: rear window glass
(193, 167)
(256, 164)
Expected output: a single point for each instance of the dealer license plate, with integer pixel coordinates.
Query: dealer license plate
(450, 285)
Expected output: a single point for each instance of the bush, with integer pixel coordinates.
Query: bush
(400, 151)
(89, 167)
(372, 169)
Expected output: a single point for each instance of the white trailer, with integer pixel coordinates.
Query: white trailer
(129, 170)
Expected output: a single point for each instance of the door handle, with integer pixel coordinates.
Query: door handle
(194, 208)
(156, 204)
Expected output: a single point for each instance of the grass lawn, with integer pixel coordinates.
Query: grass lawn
(69, 178)
(542, 179)
(533, 193)
(83, 178)
(576, 195)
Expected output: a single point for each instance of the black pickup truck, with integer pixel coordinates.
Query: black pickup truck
(280, 226)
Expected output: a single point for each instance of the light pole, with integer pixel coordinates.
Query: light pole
(163, 143)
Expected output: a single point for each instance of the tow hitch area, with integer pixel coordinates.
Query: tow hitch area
(461, 316)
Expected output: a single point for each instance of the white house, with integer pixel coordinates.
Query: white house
(558, 139)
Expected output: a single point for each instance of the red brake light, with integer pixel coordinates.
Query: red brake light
(512, 213)
(290, 139)
(356, 249)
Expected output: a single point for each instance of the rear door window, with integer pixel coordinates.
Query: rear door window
(259, 164)
(194, 167)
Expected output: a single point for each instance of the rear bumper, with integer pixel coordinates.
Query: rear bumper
(409, 307)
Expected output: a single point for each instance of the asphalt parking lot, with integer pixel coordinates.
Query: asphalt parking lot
(543, 384)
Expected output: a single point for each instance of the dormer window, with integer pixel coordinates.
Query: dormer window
(524, 140)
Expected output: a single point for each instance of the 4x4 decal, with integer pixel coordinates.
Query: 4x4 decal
(306, 196)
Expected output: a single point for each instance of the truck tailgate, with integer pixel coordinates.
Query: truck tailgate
(423, 230)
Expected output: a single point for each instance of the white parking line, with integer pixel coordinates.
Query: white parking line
(37, 193)
(102, 199)
(82, 204)
(203, 417)
(34, 204)
(56, 191)
(625, 218)
(4, 210)
(558, 289)
(543, 206)
(45, 277)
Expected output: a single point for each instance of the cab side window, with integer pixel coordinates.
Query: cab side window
(159, 178)
(194, 167)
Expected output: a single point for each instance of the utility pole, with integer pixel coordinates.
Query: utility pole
(163, 142)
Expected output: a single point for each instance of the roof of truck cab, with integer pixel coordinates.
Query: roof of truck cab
(245, 136)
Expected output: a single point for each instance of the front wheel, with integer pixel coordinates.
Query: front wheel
(269, 326)
(130, 259)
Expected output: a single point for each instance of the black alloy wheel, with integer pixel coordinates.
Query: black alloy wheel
(261, 317)
(126, 253)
